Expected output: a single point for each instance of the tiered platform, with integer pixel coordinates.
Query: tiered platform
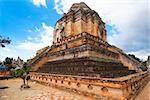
(81, 60)
(86, 67)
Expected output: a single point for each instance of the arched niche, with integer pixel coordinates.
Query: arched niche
(104, 89)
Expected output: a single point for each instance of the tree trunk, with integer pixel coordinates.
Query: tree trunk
(24, 81)
(27, 82)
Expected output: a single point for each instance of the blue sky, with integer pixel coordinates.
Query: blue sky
(29, 24)
(19, 16)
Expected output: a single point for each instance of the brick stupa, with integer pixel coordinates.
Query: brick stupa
(80, 48)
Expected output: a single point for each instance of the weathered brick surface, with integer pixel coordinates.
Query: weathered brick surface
(122, 88)
(80, 50)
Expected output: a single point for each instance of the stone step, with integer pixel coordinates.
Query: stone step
(85, 66)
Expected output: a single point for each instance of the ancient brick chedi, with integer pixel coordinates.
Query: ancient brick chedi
(81, 56)
(80, 47)
(79, 19)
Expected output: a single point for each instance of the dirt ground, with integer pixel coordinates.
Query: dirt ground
(36, 92)
(145, 93)
(41, 92)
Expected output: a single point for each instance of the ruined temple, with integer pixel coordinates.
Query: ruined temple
(80, 51)
(80, 47)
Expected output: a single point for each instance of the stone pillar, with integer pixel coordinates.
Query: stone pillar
(96, 28)
(90, 24)
(84, 24)
(103, 35)
(69, 26)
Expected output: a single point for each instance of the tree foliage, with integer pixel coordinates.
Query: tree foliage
(133, 56)
(8, 62)
(1, 63)
(22, 73)
(4, 41)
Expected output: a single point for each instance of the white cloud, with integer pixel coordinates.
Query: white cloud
(29, 38)
(6, 49)
(47, 35)
(129, 17)
(43, 38)
(39, 3)
(58, 6)
(37, 29)
(28, 30)
(29, 47)
(7, 52)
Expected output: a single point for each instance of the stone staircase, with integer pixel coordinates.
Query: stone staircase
(86, 67)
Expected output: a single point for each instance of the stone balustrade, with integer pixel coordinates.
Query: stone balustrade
(122, 88)
(78, 36)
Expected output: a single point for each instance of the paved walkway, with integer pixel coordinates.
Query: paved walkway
(36, 92)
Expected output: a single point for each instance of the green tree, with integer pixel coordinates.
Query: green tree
(1, 63)
(4, 41)
(133, 56)
(23, 74)
(8, 62)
